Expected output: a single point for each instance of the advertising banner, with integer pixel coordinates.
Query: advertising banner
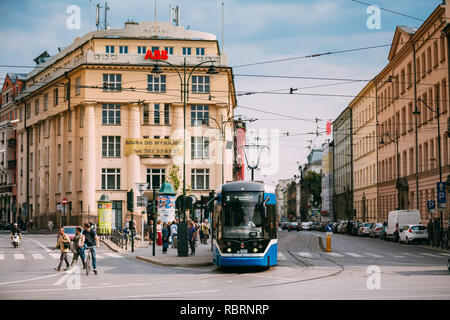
(152, 147)
(166, 208)
(104, 217)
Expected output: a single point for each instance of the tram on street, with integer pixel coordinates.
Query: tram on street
(245, 225)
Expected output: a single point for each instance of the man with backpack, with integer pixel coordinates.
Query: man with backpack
(64, 246)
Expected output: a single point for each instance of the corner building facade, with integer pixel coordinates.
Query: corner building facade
(81, 105)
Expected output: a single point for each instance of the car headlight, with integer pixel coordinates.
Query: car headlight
(255, 250)
(229, 250)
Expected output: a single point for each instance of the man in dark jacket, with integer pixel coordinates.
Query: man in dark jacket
(192, 234)
(436, 232)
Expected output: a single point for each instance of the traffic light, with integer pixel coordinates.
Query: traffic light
(130, 200)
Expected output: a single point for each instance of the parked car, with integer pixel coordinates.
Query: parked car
(335, 227)
(400, 218)
(355, 227)
(5, 225)
(342, 227)
(70, 231)
(413, 233)
(364, 229)
(306, 225)
(315, 225)
(323, 225)
(285, 225)
(294, 226)
(375, 230)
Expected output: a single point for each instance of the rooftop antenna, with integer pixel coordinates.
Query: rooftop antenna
(174, 15)
(97, 17)
(106, 16)
(222, 28)
(155, 16)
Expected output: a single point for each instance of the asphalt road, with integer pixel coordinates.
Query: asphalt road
(304, 271)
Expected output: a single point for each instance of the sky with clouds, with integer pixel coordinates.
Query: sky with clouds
(254, 31)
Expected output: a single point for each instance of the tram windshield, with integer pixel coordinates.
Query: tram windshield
(243, 215)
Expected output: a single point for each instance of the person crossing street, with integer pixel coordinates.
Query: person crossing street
(64, 246)
(89, 240)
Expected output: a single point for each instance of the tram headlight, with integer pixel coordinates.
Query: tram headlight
(255, 250)
(229, 250)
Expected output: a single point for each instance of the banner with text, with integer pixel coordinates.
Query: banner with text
(153, 147)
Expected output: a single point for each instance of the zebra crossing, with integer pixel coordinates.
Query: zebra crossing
(49, 255)
(403, 255)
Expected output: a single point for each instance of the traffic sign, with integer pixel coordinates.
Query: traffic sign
(431, 205)
(141, 187)
(441, 195)
(64, 201)
(142, 201)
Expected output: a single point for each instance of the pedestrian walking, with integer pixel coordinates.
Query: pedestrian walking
(76, 248)
(430, 232)
(165, 238)
(159, 233)
(192, 233)
(50, 226)
(205, 227)
(64, 246)
(150, 232)
(201, 234)
(436, 232)
(31, 223)
(173, 233)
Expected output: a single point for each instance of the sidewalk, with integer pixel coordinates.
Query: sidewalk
(432, 248)
(202, 258)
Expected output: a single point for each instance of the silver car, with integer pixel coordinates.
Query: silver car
(413, 233)
(375, 230)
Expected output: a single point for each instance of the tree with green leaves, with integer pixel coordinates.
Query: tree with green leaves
(174, 177)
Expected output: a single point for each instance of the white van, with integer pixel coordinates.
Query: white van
(402, 217)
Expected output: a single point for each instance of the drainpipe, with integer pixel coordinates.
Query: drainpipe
(68, 90)
(27, 192)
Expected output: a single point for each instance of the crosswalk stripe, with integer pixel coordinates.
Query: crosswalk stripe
(430, 255)
(98, 256)
(55, 255)
(335, 254)
(443, 254)
(352, 254)
(19, 256)
(2, 257)
(281, 256)
(113, 255)
(374, 255)
(305, 254)
(37, 256)
(399, 256)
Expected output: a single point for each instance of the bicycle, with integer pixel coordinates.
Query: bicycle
(88, 259)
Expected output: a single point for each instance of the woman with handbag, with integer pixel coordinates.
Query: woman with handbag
(64, 246)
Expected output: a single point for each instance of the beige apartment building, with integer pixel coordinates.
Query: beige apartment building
(81, 105)
(364, 154)
(402, 84)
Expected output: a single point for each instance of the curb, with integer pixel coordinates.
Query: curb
(109, 246)
(186, 265)
(434, 249)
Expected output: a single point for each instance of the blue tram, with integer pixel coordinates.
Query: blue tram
(245, 225)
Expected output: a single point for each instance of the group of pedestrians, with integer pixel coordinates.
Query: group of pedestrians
(167, 234)
(434, 232)
(83, 239)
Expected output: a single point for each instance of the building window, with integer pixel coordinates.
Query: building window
(36, 106)
(59, 183)
(200, 51)
(111, 146)
(186, 51)
(166, 114)
(81, 179)
(111, 113)
(200, 147)
(69, 187)
(55, 97)
(21, 114)
(145, 114)
(200, 179)
(156, 114)
(58, 126)
(155, 178)
(31, 161)
(199, 115)
(112, 82)
(78, 86)
(81, 116)
(155, 49)
(169, 50)
(45, 101)
(81, 148)
(142, 49)
(69, 151)
(123, 49)
(66, 91)
(156, 83)
(59, 154)
(69, 121)
(200, 84)
(109, 49)
(110, 179)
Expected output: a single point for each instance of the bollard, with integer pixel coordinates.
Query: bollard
(328, 243)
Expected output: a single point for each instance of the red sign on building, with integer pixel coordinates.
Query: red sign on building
(156, 55)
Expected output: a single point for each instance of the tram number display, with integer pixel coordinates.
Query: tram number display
(243, 251)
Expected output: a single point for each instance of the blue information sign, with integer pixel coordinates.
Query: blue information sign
(431, 205)
(441, 195)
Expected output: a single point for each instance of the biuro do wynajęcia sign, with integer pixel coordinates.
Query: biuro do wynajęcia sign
(156, 55)
(153, 147)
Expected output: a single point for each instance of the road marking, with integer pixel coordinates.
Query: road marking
(399, 256)
(98, 256)
(55, 255)
(281, 256)
(305, 254)
(2, 257)
(374, 255)
(352, 254)
(443, 254)
(430, 255)
(335, 254)
(19, 256)
(409, 254)
(37, 256)
(113, 255)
